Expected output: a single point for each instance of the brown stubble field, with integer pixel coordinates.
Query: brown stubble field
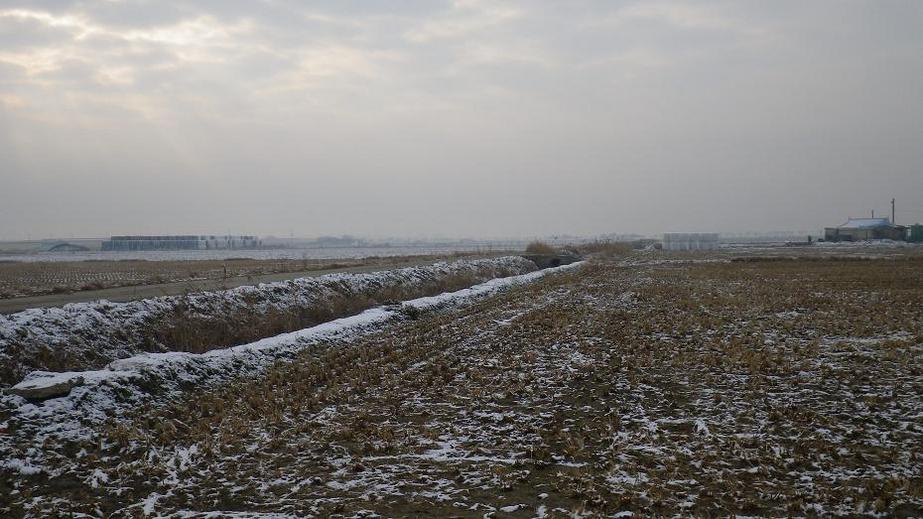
(18, 279)
(763, 387)
(21, 279)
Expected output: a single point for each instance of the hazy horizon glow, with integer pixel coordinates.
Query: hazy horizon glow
(457, 118)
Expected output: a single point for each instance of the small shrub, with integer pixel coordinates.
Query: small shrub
(411, 312)
(540, 247)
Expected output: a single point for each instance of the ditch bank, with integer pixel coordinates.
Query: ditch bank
(87, 336)
(85, 400)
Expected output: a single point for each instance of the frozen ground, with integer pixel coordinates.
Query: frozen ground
(89, 335)
(759, 388)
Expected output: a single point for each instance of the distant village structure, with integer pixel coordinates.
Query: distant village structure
(690, 241)
(916, 233)
(181, 242)
(861, 229)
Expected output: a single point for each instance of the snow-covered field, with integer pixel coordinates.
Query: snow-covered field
(617, 389)
(89, 335)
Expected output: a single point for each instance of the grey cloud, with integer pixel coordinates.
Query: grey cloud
(458, 118)
(18, 34)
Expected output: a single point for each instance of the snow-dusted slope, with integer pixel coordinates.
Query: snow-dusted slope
(89, 335)
(126, 383)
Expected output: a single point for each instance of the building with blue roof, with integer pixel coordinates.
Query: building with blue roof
(861, 229)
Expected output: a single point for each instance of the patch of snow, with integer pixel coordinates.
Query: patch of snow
(149, 503)
(701, 428)
(623, 479)
(21, 466)
(98, 477)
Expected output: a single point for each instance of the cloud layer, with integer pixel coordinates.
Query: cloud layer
(465, 118)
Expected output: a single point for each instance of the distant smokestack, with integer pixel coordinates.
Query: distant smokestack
(873, 213)
(893, 222)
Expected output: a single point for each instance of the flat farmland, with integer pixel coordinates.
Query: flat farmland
(19, 279)
(25, 279)
(647, 386)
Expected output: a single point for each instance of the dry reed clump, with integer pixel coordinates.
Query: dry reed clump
(607, 249)
(185, 329)
(540, 247)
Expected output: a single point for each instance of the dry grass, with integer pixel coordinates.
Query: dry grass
(608, 249)
(540, 247)
(186, 330)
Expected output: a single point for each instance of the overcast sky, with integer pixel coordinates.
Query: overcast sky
(466, 118)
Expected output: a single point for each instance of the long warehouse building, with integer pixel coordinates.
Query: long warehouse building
(690, 241)
(181, 242)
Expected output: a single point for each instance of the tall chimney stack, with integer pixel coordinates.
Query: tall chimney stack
(892, 213)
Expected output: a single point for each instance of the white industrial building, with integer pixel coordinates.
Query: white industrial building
(690, 241)
(181, 242)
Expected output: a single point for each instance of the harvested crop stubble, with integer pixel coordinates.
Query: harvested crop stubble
(35, 278)
(19, 279)
(773, 388)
